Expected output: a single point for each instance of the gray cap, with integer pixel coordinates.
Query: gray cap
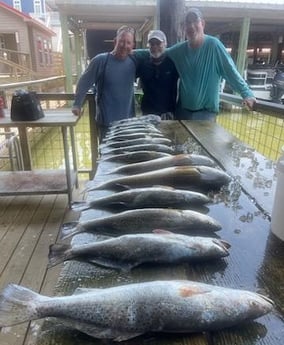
(193, 15)
(157, 34)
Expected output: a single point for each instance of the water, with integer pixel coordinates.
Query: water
(48, 153)
(262, 132)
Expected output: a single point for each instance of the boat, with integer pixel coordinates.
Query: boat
(266, 82)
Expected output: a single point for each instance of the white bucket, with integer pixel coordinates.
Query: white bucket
(277, 216)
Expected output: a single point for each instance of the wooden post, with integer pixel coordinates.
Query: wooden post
(243, 43)
(171, 13)
(78, 52)
(93, 134)
(67, 56)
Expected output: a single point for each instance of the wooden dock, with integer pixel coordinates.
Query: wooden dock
(28, 225)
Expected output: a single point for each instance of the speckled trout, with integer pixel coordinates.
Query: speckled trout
(134, 157)
(144, 220)
(191, 177)
(136, 135)
(145, 147)
(126, 311)
(165, 162)
(159, 247)
(138, 141)
(132, 129)
(149, 118)
(159, 196)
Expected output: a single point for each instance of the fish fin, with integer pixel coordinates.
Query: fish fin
(80, 206)
(70, 229)
(111, 264)
(225, 244)
(18, 305)
(119, 204)
(57, 254)
(97, 332)
(162, 232)
(126, 336)
(163, 186)
(122, 186)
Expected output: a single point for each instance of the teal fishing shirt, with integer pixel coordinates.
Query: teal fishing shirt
(201, 71)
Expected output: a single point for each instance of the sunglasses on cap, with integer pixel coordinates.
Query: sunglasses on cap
(125, 28)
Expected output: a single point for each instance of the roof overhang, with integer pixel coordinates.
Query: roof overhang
(220, 16)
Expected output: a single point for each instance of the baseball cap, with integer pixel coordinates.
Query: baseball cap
(193, 15)
(158, 34)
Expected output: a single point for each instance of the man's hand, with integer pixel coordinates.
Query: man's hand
(250, 103)
(76, 111)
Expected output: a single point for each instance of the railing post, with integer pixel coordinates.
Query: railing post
(93, 133)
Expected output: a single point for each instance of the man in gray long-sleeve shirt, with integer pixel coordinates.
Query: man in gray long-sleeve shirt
(113, 75)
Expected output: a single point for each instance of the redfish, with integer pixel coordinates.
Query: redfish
(190, 177)
(165, 162)
(127, 311)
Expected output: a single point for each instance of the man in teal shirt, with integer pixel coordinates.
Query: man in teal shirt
(202, 62)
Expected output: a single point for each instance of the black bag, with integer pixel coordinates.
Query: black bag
(25, 106)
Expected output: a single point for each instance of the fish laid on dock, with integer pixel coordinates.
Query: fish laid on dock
(165, 162)
(149, 118)
(139, 141)
(130, 136)
(157, 196)
(148, 129)
(159, 247)
(191, 177)
(134, 157)
(144, 220)
(143, 147)
(127, 311)
(133, 125)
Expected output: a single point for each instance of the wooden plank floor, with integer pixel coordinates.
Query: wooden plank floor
(28, 225)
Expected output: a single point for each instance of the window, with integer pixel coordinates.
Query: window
(37, 7)
(40, 51)
(17, 5)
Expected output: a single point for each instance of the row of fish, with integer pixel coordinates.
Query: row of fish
(156, 224)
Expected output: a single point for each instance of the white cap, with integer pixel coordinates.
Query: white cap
(157, 34)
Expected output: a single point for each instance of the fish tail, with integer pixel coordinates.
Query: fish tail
(70, 229)
(18, 305)
(58, 253)
(80, 206)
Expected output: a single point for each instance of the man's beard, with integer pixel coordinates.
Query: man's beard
(156, 55)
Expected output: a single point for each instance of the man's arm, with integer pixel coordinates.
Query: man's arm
(230, 73)
(86, 81)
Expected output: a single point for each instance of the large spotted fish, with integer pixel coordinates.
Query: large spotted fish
(123, 312)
